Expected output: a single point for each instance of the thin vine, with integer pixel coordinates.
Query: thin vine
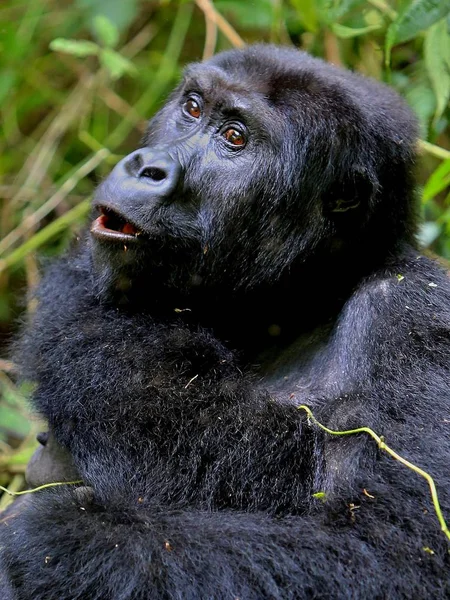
(379, 440)
(39, 488)
(383, 446)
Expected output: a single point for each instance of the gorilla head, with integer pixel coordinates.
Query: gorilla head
(265, 165)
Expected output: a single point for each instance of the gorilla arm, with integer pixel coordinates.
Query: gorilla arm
(205, 489)
(174, 553)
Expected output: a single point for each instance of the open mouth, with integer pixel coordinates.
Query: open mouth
(113, 226)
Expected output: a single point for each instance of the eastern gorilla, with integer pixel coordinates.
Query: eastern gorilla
(256, 253)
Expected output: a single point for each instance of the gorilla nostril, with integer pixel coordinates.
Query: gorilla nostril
(134, 164)
(153, 173)
(151, 169)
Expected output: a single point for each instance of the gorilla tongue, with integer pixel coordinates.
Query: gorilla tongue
(112, 225)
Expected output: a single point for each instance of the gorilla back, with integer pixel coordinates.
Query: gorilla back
(256, 253)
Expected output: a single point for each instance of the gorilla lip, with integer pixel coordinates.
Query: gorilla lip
(111, 225)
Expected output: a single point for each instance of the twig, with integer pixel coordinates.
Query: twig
(32, 220)
(228, 31)
(140, 41)
(210, 38)
(45, 234)
(121, 106)
(332, 51)
(36, 166)
(7, 366)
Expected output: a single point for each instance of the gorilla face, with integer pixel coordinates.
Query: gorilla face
(241, 177)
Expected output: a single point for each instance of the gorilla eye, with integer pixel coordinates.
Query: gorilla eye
(234, 137)
(192, 108)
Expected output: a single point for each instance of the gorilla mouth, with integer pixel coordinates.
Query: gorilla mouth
(111, 225)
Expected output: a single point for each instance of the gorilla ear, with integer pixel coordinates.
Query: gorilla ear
(349, 193)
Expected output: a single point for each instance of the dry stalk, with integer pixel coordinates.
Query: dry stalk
(228, 31)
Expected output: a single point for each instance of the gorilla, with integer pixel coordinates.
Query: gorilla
(255, 254)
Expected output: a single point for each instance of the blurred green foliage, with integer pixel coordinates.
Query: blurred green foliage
(79, 79)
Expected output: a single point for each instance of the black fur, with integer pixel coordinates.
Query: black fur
(265, 276)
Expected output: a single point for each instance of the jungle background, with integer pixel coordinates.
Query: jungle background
(79, 78)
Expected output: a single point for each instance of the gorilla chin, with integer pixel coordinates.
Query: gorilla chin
(126, 256)
(245, 260)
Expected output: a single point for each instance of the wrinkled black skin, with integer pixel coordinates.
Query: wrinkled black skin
(185, 424)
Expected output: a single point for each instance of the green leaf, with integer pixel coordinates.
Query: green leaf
(415, 17)
(10, 410)
(116, 64)
(436, 54)
(421, 99)
(80, 48)
(438, 181)
(105, 31)
(12, 421)
(307, 11)
(348, 32)
(320, 496)
(7, 82)
(345, 6)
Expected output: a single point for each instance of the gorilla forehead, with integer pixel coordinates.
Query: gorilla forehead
(289, 77)
(254, 80)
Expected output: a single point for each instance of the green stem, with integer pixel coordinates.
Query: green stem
(38, 489)
(383, 446)
(45, 234)
(434, 150)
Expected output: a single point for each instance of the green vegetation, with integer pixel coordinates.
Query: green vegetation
(80, 78)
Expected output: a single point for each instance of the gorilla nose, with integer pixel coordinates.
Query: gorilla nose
(143, 179)
(153, 169)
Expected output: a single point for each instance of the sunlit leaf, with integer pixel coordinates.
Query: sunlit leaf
(415, 17)
(105, 31)
(307, 13)
(438, 181)
(421, 98)
(80, 48)
(437, 55)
